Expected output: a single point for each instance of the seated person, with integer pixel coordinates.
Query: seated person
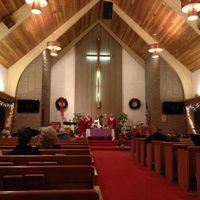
(101, 121)
(64, 133)
(158, 135)
(137, 133)
(88, 121)
(112, 123)
(81, 129)
(5, 133)
(56, 126)
(24, 147)
(48, 138)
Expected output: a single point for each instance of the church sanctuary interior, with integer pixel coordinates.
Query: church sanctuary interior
(99, 99)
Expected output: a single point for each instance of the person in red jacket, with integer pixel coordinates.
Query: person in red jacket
(88, 121)
(112, 122)
(81, 126)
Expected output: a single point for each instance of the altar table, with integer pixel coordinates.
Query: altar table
(100, 133)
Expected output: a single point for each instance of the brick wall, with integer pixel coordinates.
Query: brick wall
(29, 87)
(163, 84)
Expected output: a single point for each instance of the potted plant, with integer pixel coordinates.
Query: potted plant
(77, 116)
(122, 118)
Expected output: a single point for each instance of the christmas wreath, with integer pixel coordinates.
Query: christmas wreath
(134, 103)
(61, 103)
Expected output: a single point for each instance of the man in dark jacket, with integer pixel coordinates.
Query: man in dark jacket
(158, 135)
(24, 147)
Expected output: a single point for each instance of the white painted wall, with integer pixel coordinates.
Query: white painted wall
(133, 86)
(3, 78)
(196, 82)
(63, 85)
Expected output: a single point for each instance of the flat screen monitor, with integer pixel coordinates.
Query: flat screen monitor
(28, 106)
(173, 108)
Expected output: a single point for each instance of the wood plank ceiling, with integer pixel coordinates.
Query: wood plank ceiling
(154, 16)
(171, 30)
(7, 7)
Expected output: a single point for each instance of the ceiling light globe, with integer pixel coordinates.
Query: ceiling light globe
(192, 15)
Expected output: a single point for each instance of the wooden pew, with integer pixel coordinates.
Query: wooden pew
(63, 146)
(137, 149)
(171, 159)
(198, 173)
(73, 141)
(159, 155)
(57, 151)
(142, 151)
(149, 156)
(83, 194)
(56, 159)
(74, 146)
(158, 151)
(133, 150)
(49, 177)
(187, 167)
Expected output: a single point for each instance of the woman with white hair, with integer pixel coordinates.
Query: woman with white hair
(48, 138)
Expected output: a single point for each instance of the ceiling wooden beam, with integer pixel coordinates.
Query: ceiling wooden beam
(183, 73)
(15, 71)
(132, 53)
(17, 17)
(176, 6)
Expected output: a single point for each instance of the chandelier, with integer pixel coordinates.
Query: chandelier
(155, 50)
(54, 47)
(191, 7)
(36, 5)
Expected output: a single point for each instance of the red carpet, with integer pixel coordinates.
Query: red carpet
(120, 178)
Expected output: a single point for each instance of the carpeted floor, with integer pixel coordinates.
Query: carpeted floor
(120, 178)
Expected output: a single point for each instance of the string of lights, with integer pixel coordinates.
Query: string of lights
(5, 104)
(190, 119)
(195, 106)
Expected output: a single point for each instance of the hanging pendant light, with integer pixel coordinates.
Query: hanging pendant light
(54, 47)
(155, 55)
(191, 7)
(155, 50)
(36, 5)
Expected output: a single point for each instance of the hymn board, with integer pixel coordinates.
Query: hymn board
(99, 57)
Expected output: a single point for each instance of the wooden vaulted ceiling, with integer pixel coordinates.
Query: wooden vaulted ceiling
(154, 16)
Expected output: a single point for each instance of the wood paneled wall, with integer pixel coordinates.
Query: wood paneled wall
(46, 87)
(163, 84)
(111, 75)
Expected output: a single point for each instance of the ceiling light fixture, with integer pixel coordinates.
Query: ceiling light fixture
(36, 5)
(191, 7)
(155, 50)
(54, 47)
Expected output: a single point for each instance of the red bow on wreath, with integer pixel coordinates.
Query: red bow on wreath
(61, 104)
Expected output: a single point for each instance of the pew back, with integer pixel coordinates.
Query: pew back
(57, 159)
(57, 151)
(54, 176)
(82, 194)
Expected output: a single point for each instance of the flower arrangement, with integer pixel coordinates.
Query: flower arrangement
(77, 116)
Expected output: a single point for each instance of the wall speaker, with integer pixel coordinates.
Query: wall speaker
(8, 21)
(107, 10)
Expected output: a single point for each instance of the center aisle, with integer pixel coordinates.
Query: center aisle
(121, 178)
